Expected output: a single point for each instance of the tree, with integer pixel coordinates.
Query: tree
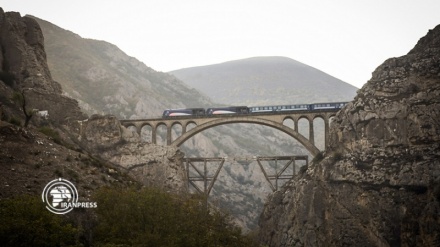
(26, 222)
(150, 217)
(20, 98)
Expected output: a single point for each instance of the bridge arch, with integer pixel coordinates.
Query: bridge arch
(221, 121)
(146, 133)
(176, 130)
(290, 122)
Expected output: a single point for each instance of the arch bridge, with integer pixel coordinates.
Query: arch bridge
(191, 125)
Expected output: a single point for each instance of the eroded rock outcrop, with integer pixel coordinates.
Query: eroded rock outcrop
(23, 68)
(152, 165)
(379, 181)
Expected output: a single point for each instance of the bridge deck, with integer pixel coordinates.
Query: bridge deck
(191, 117)
(191, 125)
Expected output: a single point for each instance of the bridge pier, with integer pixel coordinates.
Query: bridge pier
(195, 174)
(153, 135)
(326, 131)
(168, 135)
(208, 181)
(311, 132)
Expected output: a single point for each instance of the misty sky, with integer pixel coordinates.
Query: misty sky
(347, 39)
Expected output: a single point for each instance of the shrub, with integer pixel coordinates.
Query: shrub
(318, 158)
(51, 133)
(58, 173)
(337, 156)
(150, 217)
(26, 222)
(14, 121)
(303, 169)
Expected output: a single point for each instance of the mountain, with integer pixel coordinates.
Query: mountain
(106, 80)
(265, 81)
(33, 155)
(378, 184)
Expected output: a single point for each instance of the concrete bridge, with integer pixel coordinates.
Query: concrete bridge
(273, 119)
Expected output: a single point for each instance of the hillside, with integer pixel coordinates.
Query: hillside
(378, 183)
(106, 80)
(36, 156)
(265, 81)
(33, 155)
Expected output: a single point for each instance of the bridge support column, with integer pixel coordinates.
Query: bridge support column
(139, 130)
(200, 179)
(311, 132)
(326, 131)
(168, 135)
(202, 176)
(280, 174)
(154, 134)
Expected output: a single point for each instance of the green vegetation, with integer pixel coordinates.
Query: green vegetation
(14, 121)
(149, 217)
(51, 133)
(20, 98)
(124, 217)
(26, 222)
(318, 158)
(337, 156)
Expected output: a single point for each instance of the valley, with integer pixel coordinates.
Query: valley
(375, 183)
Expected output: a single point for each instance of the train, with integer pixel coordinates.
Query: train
(243, 110)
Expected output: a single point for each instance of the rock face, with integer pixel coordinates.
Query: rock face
(379, 181)
(23, 68)
(152, 165)
(23, 59)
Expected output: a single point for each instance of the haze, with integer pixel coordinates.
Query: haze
(346, 39)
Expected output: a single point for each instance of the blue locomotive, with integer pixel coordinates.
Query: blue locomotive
(183, 112)
(228, 110)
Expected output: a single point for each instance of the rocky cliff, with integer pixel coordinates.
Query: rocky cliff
(152, 165)
(379, 181)
(105, 80)
(65, 142)
(24, 68)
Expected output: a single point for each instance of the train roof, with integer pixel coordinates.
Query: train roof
(181, 109)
